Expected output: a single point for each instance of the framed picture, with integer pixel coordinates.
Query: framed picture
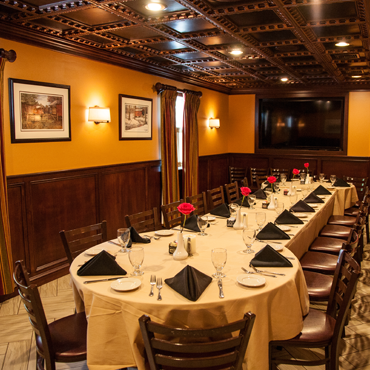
(135, 118)
(39, 111)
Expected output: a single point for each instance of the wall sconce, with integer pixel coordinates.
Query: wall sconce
(98, 114)
(214, 123)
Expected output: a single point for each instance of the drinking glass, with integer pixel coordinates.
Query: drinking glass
(279, 207)
(260, 219)
(202, 224)
(219, 257)
(251, 200)
(277, 186)
(249, 236)
(136, 257)
(293, 198)
(304, 193)
(332, 179)
(123, 236)
(283, 179)
(321, 177)
(233, 208)
(303, 177)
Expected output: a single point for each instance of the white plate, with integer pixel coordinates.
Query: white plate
(164, 232)
(211, 218)
(283, 227)
(124, 285)
(277, 247)
(300, 215)
(251, 281)
(96, 250)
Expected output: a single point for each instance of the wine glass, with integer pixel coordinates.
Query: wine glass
(279, 207)
(277, 186)
(249, 236)
(219, 257)
(136, 257)
(283, 179)
(332, 179)
(233, 208)
(251, 199)
(123, 236)
(260, 219)
(321, 177)
(202, 224)
(304, 193)
(293, 198)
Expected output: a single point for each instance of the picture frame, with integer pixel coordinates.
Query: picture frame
(39, 111)
(135, 118)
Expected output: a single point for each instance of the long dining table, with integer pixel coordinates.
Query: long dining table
(114, 338)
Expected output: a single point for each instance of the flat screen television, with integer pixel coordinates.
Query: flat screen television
(302, 123)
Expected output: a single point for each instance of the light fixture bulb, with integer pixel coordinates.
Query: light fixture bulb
(236, 52)
(284, 79)
(356, 76)
(155, 7)
(342, 44)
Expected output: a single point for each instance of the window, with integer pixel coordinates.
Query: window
(179, 127)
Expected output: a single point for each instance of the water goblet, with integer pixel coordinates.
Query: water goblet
(277, 186)
(304, 193)
(293, 198)
(251, 200)
(279, 207)
(249, 236)
(202, 224)
(219, 257)
(123, 236)
(283, 179)
(321, 177)
(332, 179)
(260, 219)
(136, 257)
(233, 208)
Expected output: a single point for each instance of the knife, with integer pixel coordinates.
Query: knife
(96, 281)
(221, 295)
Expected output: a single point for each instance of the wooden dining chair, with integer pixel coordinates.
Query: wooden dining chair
(232, 192)
(238, 174)
(144, 221)
(78, 240)
(360, 184)
(171, 215)
(324, 329)
(253, 173)
(192, 348)
(278, 171)
(260, 180)
(215, 197)
(199, 202)
(63, 340)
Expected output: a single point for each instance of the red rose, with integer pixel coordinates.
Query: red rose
(295, 172)
(271, 179)
(307, 165)
(245, 191)
(186, 208)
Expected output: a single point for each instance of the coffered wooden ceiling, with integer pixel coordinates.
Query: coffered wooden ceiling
(191, 40)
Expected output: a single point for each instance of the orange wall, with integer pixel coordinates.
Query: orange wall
(95, 83)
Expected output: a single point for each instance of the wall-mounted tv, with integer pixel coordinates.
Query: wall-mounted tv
(302, 123)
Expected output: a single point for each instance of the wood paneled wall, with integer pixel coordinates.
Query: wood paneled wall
(43, 204)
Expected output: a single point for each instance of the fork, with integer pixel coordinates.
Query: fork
(152, 283)
(159, 287)
(152, 237)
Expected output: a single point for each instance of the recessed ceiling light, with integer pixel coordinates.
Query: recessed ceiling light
(236, 52)
(155, 6)
(356, 76)
(284, 79)
(342, 43)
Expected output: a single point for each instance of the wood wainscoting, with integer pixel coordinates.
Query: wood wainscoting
(40, 205)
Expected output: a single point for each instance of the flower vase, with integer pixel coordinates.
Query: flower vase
(238, 225)
(180, 252)
(308, 180)
(272, 202)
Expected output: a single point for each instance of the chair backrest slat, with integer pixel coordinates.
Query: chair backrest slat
(232, 192)
(171, 215)
(144, 221)
(199, 202)
(215, 197)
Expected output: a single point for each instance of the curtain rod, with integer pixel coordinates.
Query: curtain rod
(10, 55)
(161, 87)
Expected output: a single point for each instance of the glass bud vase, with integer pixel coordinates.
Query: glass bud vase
(180, 252)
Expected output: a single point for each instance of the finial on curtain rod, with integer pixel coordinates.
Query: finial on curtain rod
(161, 87)
(10, 55)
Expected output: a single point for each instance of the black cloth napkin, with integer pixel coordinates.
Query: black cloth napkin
(101, 264)
(240, 201)
(260, 194)
(341, 183)
(272, 232)
(191, 223)
(313, 198)
(320, 190)
(136, 238)
(268, 185)
(222, 210)
(301, 206)
(269, 257)
(288, 218)
(189, 282)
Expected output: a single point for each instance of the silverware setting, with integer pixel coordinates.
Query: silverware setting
(260, 273)
(221, 293)
(112, 242)
(152, 283)
(159, 287)
(268, 241)
(265, 272)
(289, 258)
(109, 279)
(152, 237)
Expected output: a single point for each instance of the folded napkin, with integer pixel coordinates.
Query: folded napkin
(268, 185)
(101, 264)
(268, 257)
(288, 218)
(320, 190)
(313, 198)
(222, 210)
(136, 238)
(260, 194)
(301, 206)
(240, 201)
(192, 224)
(272, 232)
(341, 183)
(189, 282)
